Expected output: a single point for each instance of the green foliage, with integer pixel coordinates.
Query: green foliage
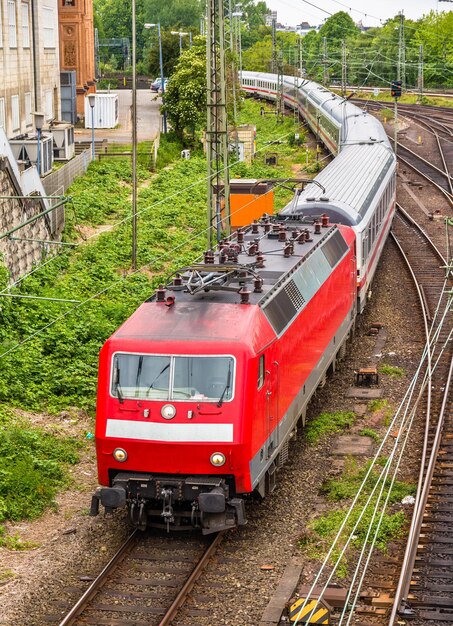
(169, 151)
(185, 99)
(323, 529)
(377, 405)
(348, 484)
(327, 423)
(390, 529)
(107, 83)
(170, 52)
(59, 364)
(369, 432)
(391, 370)
(32, 467)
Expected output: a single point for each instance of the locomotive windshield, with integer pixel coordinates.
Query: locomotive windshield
(160, 377)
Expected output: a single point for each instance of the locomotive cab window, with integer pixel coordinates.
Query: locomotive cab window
(162, 377)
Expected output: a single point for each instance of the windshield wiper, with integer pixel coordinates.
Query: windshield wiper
(139, 373)
(116, 382)
(227, 386)
(164, 369)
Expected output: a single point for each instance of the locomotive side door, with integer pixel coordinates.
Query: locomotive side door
(272, 374)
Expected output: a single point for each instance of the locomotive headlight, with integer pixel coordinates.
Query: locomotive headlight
(168, 411)
(120, 455)
(218, 459)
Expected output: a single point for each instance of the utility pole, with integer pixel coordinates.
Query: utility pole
(301, 66)
(343, 68)
(325, 77)
(401, 74)
(238, 14)
(134, 142)
(231, 41)
(420, 74)
(280, 101)
(217, 126)
(274, 46)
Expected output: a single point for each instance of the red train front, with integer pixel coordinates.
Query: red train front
(202, 387)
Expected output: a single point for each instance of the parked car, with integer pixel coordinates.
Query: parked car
(156, 84)
(159, 91)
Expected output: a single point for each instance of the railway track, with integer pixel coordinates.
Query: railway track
(441, 179)
(426, 578)
(440, 124)
(145, 583)
(419, 589)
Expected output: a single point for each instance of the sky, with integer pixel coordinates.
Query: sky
(292, 12)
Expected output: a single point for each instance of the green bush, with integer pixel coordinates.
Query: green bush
(32, 468)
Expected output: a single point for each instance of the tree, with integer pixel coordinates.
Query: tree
(185, 99)
(174, 14)
(434, 32)
(170, 52)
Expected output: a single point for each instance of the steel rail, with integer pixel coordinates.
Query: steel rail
(412, 545)
(446, 193)
(188, 585)
(425, 478)
(442, 156)
(99, 581)
(422, 232)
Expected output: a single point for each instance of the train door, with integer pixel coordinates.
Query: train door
(272, 408)
(272, 375)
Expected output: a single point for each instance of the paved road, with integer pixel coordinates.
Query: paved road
(148, 119)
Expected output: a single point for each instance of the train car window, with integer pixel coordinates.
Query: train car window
(261, 372)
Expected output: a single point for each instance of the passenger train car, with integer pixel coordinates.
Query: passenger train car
(359, 183)
(202, 388)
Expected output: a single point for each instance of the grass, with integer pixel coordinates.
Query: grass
(369, 432)
(377, 405)
(33, 467)
(5, 575)
(327, 423)
(391, 370)
(405, 99)
(322, 530)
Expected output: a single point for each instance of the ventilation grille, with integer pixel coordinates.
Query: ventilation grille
(334, 248)
(282, 309)
(293, 293)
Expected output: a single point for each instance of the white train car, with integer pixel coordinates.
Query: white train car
(358, 187)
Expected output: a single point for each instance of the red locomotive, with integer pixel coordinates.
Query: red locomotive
(201, 389)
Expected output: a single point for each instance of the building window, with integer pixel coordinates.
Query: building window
(12, 23)
(25, 26)
(15, 113)
(28, 115)
(48, 20)
(2, 112)
(69, 3)
(48, 104)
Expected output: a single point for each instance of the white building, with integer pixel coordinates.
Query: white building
(29, 58)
